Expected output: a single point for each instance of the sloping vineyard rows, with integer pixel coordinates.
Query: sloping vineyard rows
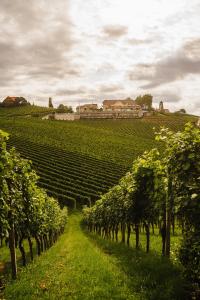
(142, 127)
(78, 137)
(119, 141)
(68, 176)
(23, 111)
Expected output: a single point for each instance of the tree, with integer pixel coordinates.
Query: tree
(145, 101)
(50, 103)
(25, 209)
(182, 160)
(64, 109)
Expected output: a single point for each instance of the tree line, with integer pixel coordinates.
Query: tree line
(26, 211)
(161, 189)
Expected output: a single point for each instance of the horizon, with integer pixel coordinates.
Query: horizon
(83, 102)
(86, 52)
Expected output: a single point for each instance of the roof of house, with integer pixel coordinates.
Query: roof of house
(118, 102)
(13, 99)
(89, 105)
(10, 98)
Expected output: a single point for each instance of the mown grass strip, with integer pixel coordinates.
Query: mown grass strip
(74, 268)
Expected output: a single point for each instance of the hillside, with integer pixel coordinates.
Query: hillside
(77, 161)
(24, 111)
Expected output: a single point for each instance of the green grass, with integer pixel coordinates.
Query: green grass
(77, 161)
(84, 266)
(24, 111)
(5, 265)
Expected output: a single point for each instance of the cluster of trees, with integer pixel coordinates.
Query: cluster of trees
(26, 212)
(61, 107)
(145, 101)
(156, 192)
(64, 109)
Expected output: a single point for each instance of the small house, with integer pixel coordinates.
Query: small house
(127, 105)
(87, 108)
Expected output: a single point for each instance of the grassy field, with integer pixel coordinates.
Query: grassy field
(84, 266)
(24, 111)
(77, 161)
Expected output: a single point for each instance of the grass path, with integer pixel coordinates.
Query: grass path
(84, 266)
(72, 269)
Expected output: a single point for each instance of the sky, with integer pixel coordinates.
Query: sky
(79, 51)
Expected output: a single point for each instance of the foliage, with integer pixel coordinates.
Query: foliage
(183, 163)
(154, 192)
(50, 103)
(64, 109)
(24, 111)
(138, 199)
(77, 161)
(26, 211)
(84, 266)
(145, 101)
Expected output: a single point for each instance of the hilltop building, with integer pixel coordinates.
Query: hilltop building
(112, 109)
(162, 109)
(127, 105)
(161, 106)
(14, 101)
(87, 108)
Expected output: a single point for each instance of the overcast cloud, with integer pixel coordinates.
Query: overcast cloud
(80, 51)
(183, 62)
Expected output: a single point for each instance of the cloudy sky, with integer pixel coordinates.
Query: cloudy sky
(83, 51)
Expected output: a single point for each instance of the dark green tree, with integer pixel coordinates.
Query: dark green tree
(145, 101)
(64, 109)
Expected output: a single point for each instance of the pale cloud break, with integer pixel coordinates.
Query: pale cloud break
(79, 51)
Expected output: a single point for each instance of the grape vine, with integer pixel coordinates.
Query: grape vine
(26, 212)
(158, 190)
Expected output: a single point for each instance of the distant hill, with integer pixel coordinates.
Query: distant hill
(79, 160)
(24, 111)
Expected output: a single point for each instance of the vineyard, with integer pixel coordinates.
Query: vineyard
(136, 198)
(78, 161)
(26, 212)
(25, 111)
(159, 194)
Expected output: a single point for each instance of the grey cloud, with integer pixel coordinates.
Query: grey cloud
(20, 13)
(110, 88)
(137, 42)
(85, 91)
(176, 67)
(106, 68)
(35, 43)
(71, 92)
(115, 31)
(167, 96)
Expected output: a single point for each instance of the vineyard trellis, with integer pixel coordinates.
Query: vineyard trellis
(155, 192)
(78, 161)
(26, 212)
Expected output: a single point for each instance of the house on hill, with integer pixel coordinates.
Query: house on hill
(87, 108)
(127, 105)
(14, 101)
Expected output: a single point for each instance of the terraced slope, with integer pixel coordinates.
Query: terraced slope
(76, 161)
(70, 177)
(23, 111)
